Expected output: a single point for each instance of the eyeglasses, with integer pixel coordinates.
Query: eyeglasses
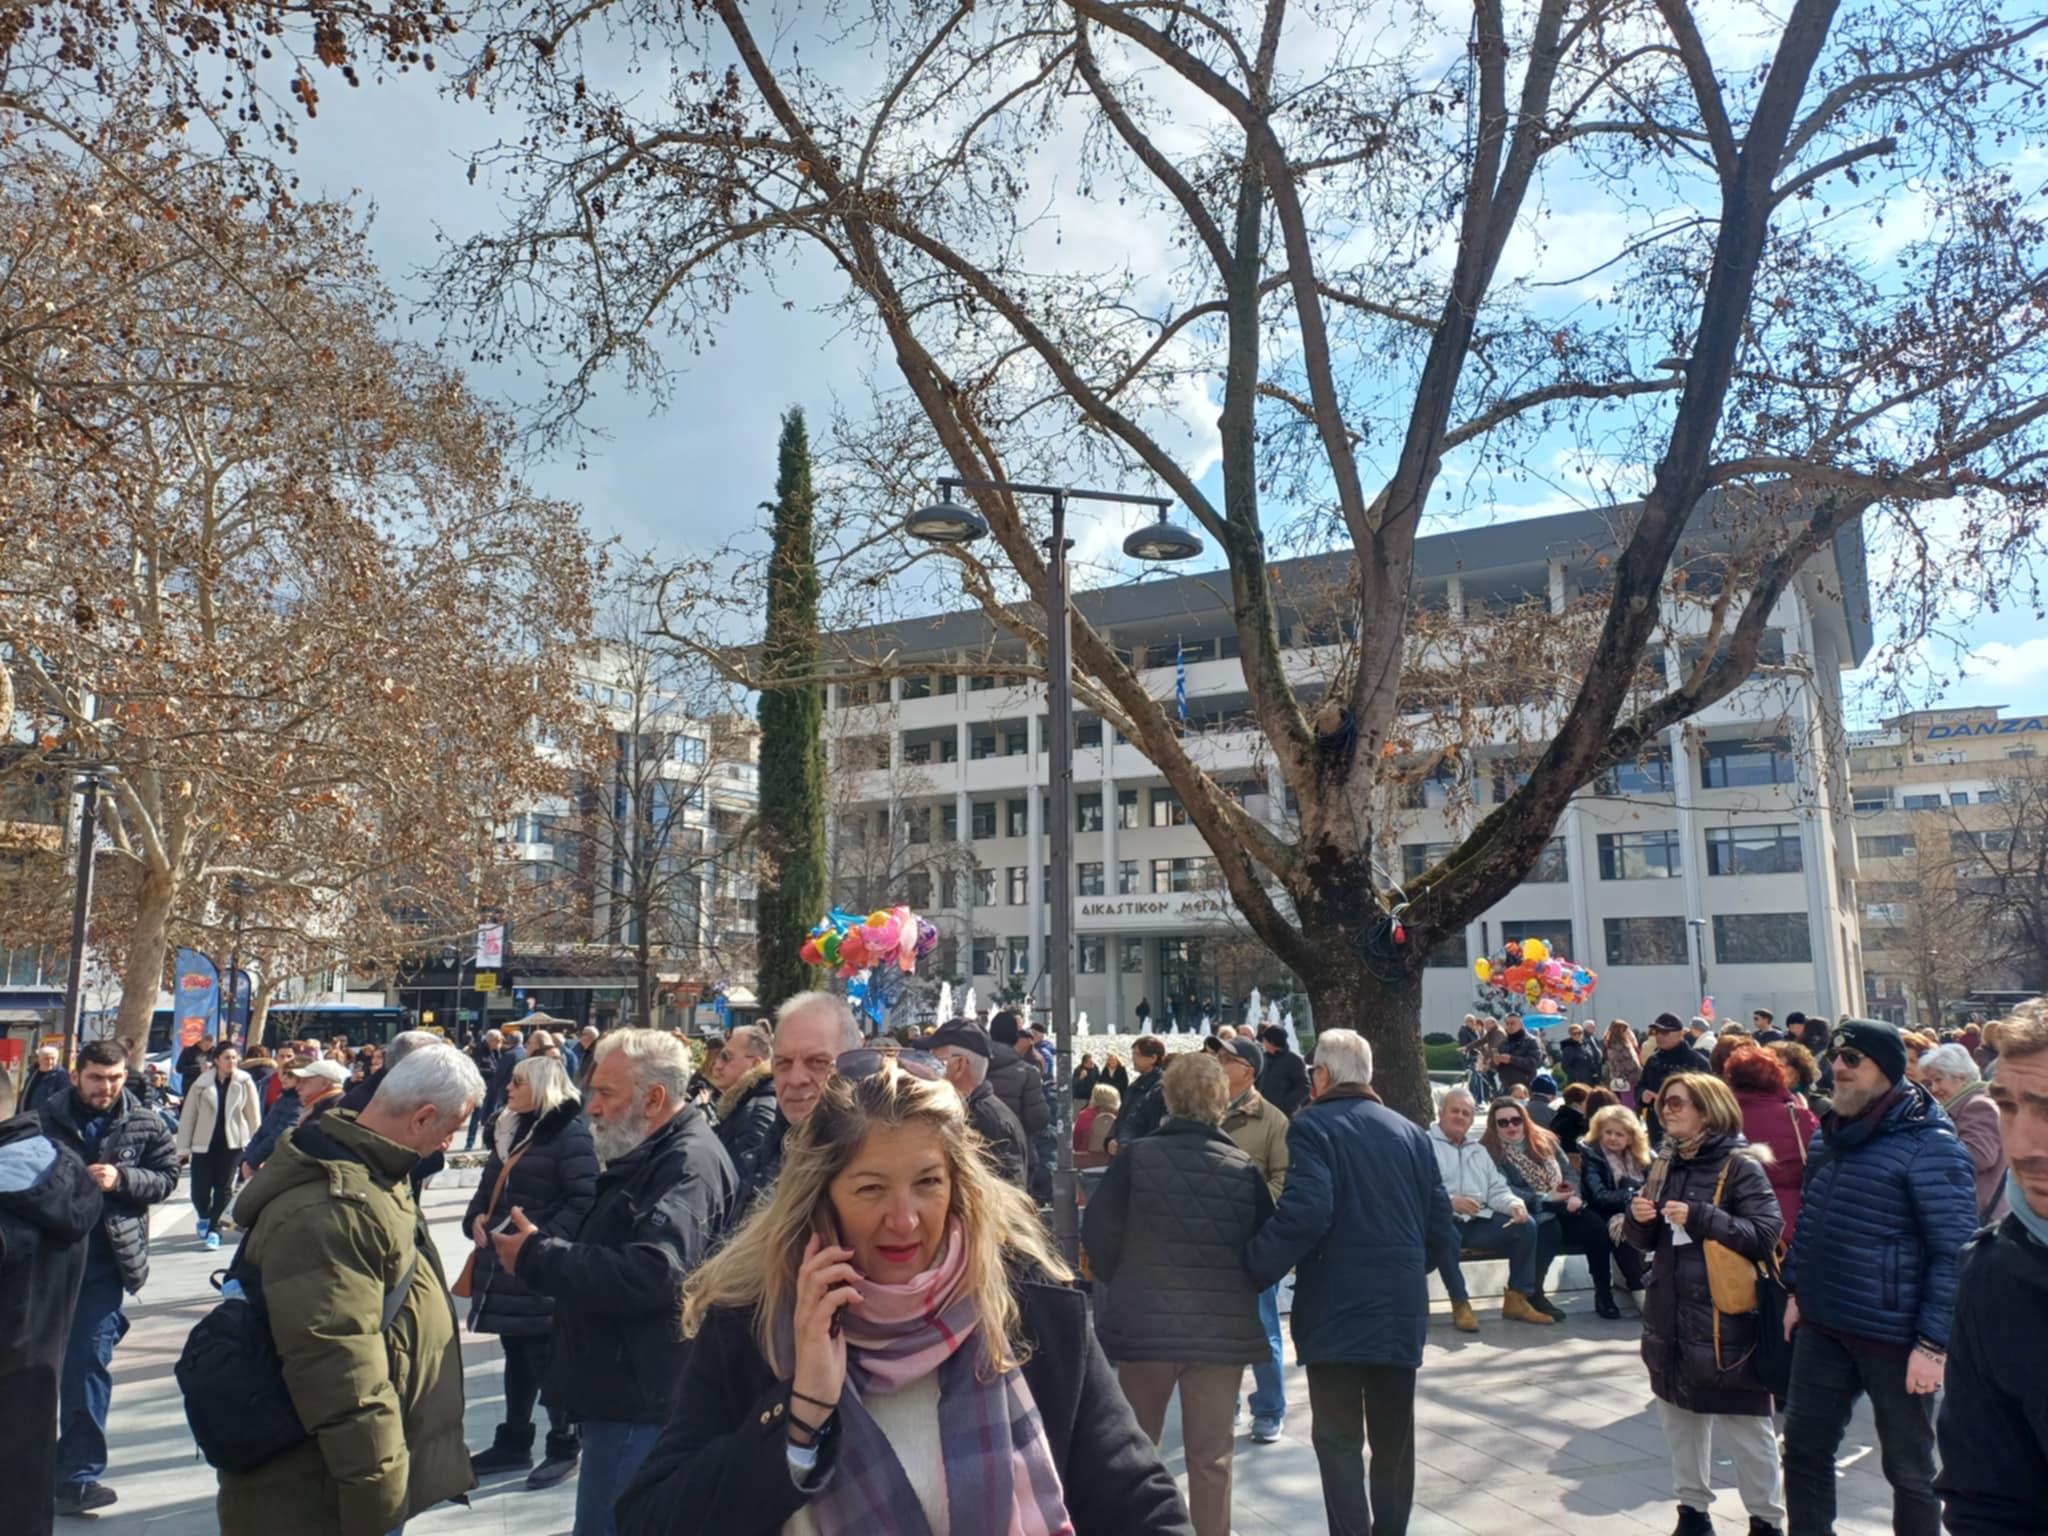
(1667, 1105)
(867, 1062)
(1505, 1122)
(1847, 1056)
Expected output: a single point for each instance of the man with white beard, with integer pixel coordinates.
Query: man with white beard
(664, 1192)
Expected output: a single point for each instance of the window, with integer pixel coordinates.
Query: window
(1650, 775)
(1094, 955)
(984, 957)
(949, 823)
(1762, 938)
(1015, 743)
(690, 749)
(917, 687)
(1088, 813)
(1869, 802)
(983, 813)
(1428, 794)
(1019, 948)
(1090, 876)
(1170, 876)
(1987, 797)
(982, 744)
(1556, 932)
(948, 685)
(1418, 858)
(1127, 809)
(917, 751)
(1449, 953)
(1960, 797)
(1640, 856)
(1130, 956)
(1645, 940)
(1016, 818)
(980, 684)
(1884, 845)
(949, 890)
(917, 889)
(1088, 733)
(1167, 811)
(1920, 802)
(1018, 880)
(1509, 777)
(1127, 877)
(851, 694)
(917, 828)
(1746, 764)
(1551, 866)
(1767, 850)
(984, 887)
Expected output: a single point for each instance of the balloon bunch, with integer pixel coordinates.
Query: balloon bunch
(871, 954)
(1530, 970)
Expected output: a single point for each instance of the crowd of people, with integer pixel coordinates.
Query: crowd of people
(806, 1284)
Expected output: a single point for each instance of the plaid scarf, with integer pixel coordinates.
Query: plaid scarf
(999, 1472)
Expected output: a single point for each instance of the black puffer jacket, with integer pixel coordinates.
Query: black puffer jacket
(1994, 1415)
(1600, 1187)
(1019, 1084)
(1144, 1107)
(554, 1181)
(618, 1341)
(997, 1124)
(1167, 1228)
(1679, 1332)
(146, 1153)
(751, 1131)
(1283, 1082)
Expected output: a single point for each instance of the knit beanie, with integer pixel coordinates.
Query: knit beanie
(1880, 1041)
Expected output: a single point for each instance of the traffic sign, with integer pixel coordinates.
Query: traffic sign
(486, 981)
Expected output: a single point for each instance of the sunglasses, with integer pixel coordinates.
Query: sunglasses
(867, 1062)
(1847, 1056)
(1505, 1121)
(1674, 1102)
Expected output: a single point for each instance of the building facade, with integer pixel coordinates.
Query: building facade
(1949, 807)
(1721, 865)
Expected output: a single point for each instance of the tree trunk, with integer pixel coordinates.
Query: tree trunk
(1346, 995)
(259, 1008)
(143, 974)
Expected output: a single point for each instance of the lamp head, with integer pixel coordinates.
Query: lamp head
(946, 522)
(1162, 540)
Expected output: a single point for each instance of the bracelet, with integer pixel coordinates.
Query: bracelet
(815, 1402)
(1938, 1356)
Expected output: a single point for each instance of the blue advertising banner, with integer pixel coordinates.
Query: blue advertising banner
(195, 1000)
(238, 1010)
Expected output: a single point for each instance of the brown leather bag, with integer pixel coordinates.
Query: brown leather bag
(465, 1280)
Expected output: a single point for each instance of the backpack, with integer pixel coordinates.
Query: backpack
(229, 1372)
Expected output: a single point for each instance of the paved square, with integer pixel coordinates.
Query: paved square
(1516, 1430)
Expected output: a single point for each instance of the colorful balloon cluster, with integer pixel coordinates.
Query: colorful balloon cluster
(1531, 971)
(850, 943)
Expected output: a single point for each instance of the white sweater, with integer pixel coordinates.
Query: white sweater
(910, 1421)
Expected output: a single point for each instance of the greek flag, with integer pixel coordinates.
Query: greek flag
(1180, 681)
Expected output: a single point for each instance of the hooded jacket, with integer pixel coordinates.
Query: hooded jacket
(554, 1182)
(751, 1128)
(332, 1239)
(1890, 1199)
(48, 1206)
(139, 1147)
(1468, 1169)
(1994, 1415)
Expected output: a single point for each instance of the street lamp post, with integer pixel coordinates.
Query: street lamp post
(1699, 940)
(948, 522)
(81, 904)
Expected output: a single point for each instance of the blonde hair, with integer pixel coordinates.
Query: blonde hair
(549, 1080)
(1106, 1097)
(1714, 1099)
(1628, 1120)
(757, 1268)
(1195, 1088)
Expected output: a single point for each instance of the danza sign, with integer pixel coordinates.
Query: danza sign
(2022, 725)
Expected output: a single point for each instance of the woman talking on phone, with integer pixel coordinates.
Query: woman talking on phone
(889, 1344)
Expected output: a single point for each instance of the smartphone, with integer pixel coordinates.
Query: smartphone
(502, 1228)
(828, 1235)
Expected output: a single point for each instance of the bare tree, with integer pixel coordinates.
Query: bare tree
(2002, 873)
(1801, 292)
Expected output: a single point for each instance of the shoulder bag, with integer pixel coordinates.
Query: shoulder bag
(1742, 1286)
(467, 1279)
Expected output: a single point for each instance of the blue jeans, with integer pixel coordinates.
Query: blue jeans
(1492, 1234)
(612, 1453)
(86, 1387)
(1269, 1376)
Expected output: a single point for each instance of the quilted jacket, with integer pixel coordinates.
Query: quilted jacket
(1167, 1229)
(136, 1143)
(554, 1183)
(1891, 1197)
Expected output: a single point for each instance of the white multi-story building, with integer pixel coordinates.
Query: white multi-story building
(1722, 864)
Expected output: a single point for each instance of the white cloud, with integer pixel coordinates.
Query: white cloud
(1999, 673)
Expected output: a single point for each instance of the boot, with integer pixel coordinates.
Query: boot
(1603, 1303)
(1758, 1526)
(511, 1451)
(1692, 1522)
(1463, 1318)
(562, 1450)
(1516, 1308)
(1547, 1307)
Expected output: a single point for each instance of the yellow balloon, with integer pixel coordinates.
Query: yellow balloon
(1482, 969)
(1535, 951)
(878, 917)
(1534, 989)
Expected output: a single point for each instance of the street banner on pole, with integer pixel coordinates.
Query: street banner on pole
(490, 946)
(196, 1002)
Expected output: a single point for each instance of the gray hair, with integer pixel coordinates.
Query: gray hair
(1950, 1060)
(441, 1076)
(655, 1058)
(549, 1080)
(403, 1044)
(1344, 1054)
(977, 1064)
(494, 1037)
(823, 1002)
(1460, 1092)
(753, 1040)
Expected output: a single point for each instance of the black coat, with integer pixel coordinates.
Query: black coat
(139, 1144)
(1009, 1152)
(1118, 1077)
(1581, 1061)
(498, 1077)
(554, 1182)
(1678, 1304)
(1600, 1189)
(44, 1088)
(721, 1466)
(1517, 1059)
(48, 1206)
(1021, 1086)
(752, 1137)
(617, 1348)
(1144, 1107)
(1283, 1082)
(1167, 1228)
(1657, 1066)
(1085, 1079)
(1994, 1415)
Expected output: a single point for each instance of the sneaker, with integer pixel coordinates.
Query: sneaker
(83, 1498)
(202, 1229)
(551, 1472)
(213, 1240)
(1266, 1428)
(1463, 1318)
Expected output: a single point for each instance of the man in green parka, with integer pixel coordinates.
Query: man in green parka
(333, 1237)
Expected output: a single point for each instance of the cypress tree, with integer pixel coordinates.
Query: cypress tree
(793, 895)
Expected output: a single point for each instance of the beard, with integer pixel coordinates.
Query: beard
(613, 1139)
(1852, 1101)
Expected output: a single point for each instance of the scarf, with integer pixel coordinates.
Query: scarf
(2034, 1221)
(1675, 1150)
(1623, 1166)
(1541, 1174)
(999, 1471)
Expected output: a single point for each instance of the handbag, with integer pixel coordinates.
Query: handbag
(1730, 1276)
(466, 1281)
(1743, 1286)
